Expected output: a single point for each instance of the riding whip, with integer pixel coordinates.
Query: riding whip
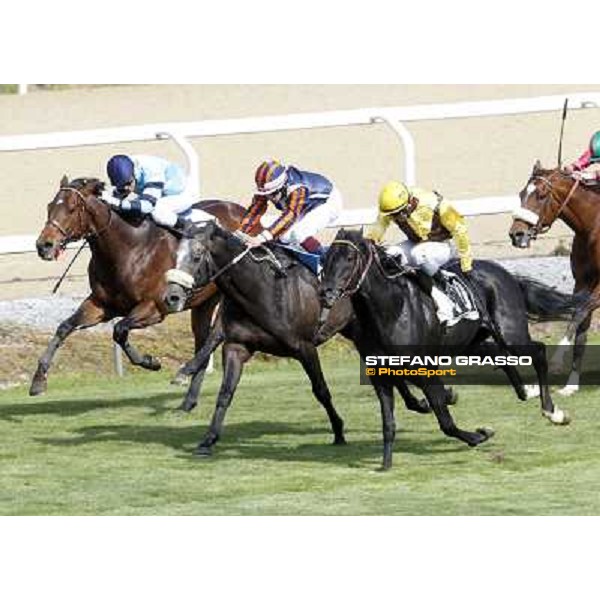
(62, 277)
(562, 131)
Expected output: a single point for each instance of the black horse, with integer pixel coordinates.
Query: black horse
(397, 312)
(270, 304)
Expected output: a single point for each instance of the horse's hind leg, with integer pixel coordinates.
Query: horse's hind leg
(437, 399)
(309, 358)
(143, 315)
(234, 357)
(201, 360)
(87, 315)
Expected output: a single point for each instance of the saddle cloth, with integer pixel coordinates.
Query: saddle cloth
(309, 260)
(460, 303)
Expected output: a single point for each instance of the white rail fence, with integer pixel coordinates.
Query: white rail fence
(395, 117)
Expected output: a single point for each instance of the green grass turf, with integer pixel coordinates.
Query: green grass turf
(99, 445)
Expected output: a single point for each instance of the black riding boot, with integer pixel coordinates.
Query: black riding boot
(440, 281)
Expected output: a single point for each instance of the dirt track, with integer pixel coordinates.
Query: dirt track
(461, 158)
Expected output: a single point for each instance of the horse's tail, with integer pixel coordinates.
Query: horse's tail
(545, 303)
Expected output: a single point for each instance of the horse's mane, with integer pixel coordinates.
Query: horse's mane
(84, 182)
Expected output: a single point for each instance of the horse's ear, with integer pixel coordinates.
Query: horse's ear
(211, 228)
(98, 188)
(538, 166)
(64, 181)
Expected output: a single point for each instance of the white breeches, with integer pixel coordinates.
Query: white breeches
(167, 208)
(317, 219)
(427, 256)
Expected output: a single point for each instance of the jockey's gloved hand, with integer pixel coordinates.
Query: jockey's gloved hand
(108, 197)
(243, 236)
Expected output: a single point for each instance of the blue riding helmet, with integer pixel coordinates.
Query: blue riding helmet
(120, 170)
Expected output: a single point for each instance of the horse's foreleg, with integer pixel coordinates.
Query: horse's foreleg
(200, 364)
(143, 315)
(437, 399)
(385, 393)
(575, 326)
(572, 384)
(234, 357)
(87, 315)
(203, 317)
(419, 405)
(309, 358)
(537, 351)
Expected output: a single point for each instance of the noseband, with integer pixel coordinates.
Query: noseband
(538, 228)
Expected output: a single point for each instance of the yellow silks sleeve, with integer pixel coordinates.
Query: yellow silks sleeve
(455, 223)
(377, 231)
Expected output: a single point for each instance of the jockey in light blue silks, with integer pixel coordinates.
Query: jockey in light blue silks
(149, 185)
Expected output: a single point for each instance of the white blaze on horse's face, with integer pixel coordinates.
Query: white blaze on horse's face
(530, 189)
(184, 253)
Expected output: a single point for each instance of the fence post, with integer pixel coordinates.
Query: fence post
(191, 157)
(22, 88)
(118, 359)
(408, 145)
(193, 186)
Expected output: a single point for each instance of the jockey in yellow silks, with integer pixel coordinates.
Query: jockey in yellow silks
(436, 232)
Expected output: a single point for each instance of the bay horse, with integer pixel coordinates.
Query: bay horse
(549, 195)
(126, 269)
(270, 304)
(397, 313)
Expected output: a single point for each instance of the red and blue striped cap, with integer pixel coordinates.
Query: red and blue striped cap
(270, 177)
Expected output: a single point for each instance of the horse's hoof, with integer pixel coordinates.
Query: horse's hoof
(451, 397)
(151, 363)
(558, 417)
(38, 387)
(180, 379)
(487, 432)
(531, 391)
(187, 406)
(203, 451)
(341, 441)
(422, 407)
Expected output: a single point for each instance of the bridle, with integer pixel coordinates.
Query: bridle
(538, 228)
(359, 270)
(82, 208)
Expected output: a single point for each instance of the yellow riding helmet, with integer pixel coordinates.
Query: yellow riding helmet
(393, 197)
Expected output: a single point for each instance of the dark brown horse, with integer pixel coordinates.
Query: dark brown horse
(552, 194)
(126, 270)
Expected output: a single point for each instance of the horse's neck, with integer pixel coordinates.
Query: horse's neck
(581, 210)
(113, 234)
(242, 281)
